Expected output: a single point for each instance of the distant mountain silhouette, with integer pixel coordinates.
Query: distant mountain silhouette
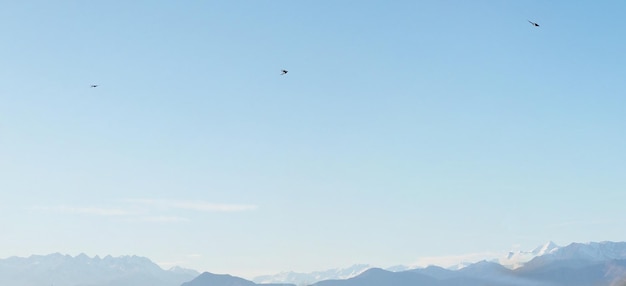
(436, 272)
(609, 273)
(512, 260)
(64, 270)
(380, 277)
(590, 264)
(210, 279)
(578, 264)
(312, 277)
(580, 255)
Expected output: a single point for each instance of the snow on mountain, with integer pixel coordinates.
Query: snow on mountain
(581, 254)
(310, 278)
(454, 262)
(607, 273)
(511, 260)
(516, 259)
(593, 251)
(539, 263)
(398, 268)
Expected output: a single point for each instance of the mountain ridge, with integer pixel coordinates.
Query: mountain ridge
(66, 270)
(577, 264)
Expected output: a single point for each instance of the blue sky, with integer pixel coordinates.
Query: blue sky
(402, 130)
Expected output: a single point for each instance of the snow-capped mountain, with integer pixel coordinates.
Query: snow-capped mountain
(398, 268)
(603, 266)
(516, 259)
(64, 270)
(582, 254)
(511, 260)
(309, 278)
(577, 264)
(607, 273)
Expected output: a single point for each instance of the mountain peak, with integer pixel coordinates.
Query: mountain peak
(208, 278)
(63, 269)
(581, 254)
(516, 259)
(549, 247)
(309, 278)
(374, 270)
(181, 270)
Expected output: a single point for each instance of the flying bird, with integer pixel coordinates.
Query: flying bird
(284, 72)
(533, 23)
(94, 85)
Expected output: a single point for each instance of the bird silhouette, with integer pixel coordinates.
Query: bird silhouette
(94, 85)
(533, 23)
(284, 72)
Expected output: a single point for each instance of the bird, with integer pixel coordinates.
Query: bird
(533, 23)
(94, 85)
(284, 72)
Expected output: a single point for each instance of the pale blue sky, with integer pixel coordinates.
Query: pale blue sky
(404, 129)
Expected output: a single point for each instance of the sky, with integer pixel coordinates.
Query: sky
(404, 129)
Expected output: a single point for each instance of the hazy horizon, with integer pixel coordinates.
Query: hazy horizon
(450, 261)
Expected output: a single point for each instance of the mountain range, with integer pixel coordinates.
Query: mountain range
(578, 264)
(81, 270)
(512, 260)
(590, 264)
(309, 278)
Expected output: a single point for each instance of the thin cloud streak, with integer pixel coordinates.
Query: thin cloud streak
(201, 206)
(147, 210)
(166, 219)
(99, 211)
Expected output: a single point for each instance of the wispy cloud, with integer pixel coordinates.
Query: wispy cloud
(201, 206)
(147, 210)
(210, 207)
(158, 218)
(99, 211)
